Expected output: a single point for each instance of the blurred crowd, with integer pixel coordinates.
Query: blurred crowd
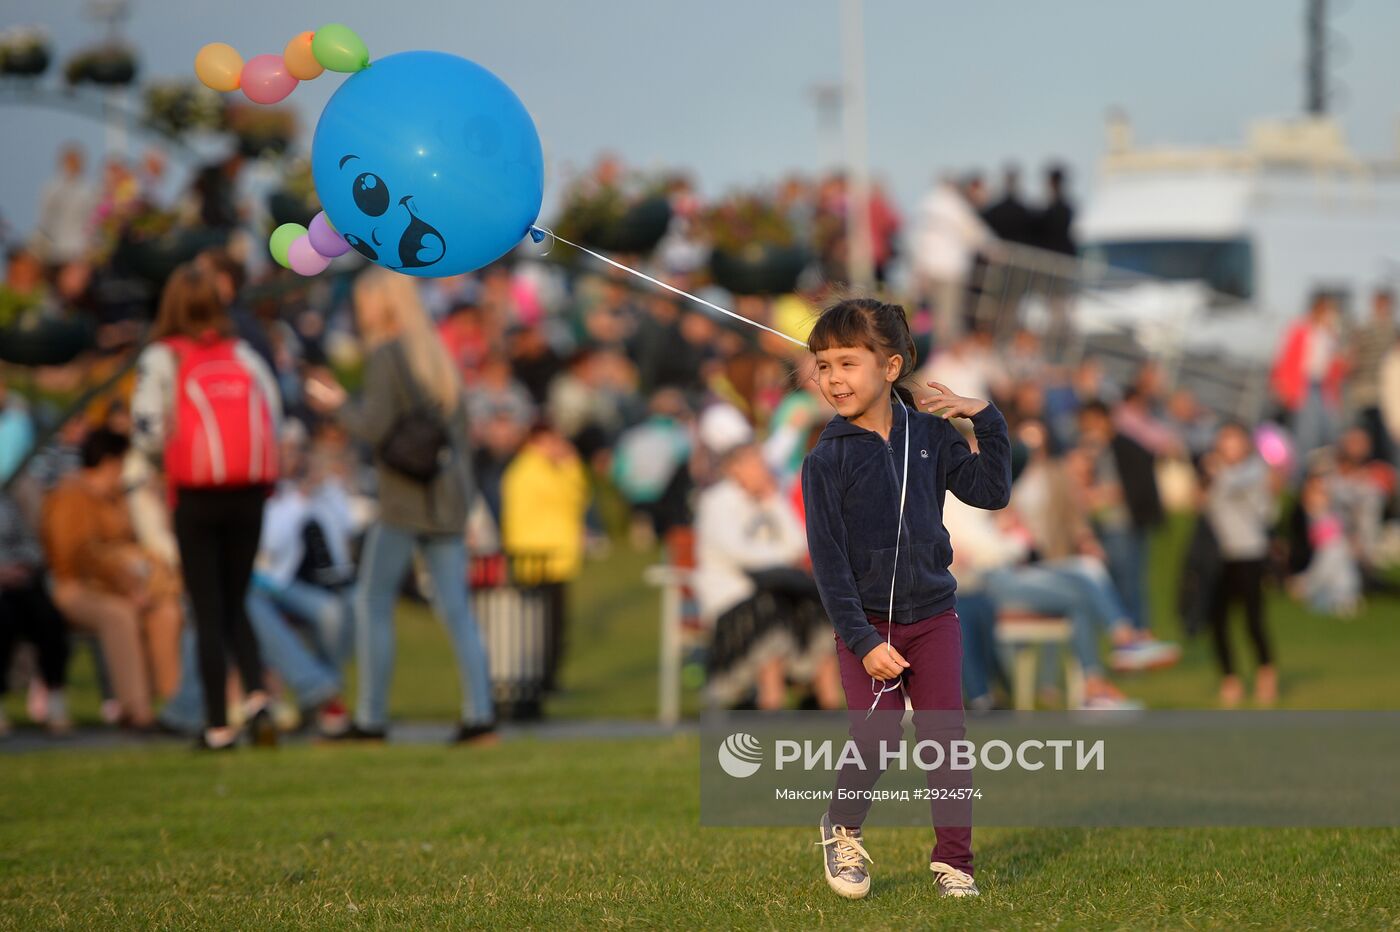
(602, 414)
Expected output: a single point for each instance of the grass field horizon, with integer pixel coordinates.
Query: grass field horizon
(569, 833)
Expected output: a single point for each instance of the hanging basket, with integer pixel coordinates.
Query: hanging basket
(107, 65)
(43, 341)
(27, 61)
(637, 231)
(24, 51)
(183, 106)
(759, 268)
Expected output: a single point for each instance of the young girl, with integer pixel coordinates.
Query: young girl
(1240, 508)
(207, 408)
(883, 456)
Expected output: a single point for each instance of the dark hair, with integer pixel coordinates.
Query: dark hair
(190, 305)
(879, 327)
(1094, 407)
(541, 424)
(101, 445)
(1320, 298)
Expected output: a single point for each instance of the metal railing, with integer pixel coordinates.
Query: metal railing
(1023, 286)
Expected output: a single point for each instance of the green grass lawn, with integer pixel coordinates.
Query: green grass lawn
(589, 833)
(572, 834)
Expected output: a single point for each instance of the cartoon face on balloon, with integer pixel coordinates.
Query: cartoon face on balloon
(425, 163)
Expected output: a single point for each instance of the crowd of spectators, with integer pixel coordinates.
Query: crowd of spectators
(602, 414)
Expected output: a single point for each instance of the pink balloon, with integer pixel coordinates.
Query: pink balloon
(324, 238)
(266, 80)
(1273, 446)
(304, 259)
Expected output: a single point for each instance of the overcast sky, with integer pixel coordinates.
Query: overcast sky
(722, 87)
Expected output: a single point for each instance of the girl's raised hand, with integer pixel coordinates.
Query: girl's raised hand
(946, 403)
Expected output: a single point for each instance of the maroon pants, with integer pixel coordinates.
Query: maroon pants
(933, 681)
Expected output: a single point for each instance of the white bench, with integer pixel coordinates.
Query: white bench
(1024, 633)
(671, 580)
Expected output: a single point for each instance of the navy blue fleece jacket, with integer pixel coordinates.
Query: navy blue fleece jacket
(850, 491)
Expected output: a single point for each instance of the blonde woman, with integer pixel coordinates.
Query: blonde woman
(409, 378)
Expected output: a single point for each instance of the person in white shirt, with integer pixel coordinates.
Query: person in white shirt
(947, 236)
(64, 231)
(765, 611)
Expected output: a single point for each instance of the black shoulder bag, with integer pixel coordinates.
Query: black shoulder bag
(418, 438)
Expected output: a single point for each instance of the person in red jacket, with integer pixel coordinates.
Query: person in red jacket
(1307, 377)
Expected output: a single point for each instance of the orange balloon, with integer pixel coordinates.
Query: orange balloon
(300, 62)
(219, 66)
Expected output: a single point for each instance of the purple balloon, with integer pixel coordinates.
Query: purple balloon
(304, 259)
(324, 238)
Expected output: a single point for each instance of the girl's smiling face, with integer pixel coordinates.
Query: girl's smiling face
(853, 378)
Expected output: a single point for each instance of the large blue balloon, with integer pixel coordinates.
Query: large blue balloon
(428, 164)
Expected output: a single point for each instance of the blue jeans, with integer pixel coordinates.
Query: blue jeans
(312, 678)
(1316, 424)
(326, 611)
(1065, 588)
(386, 556)
(1127, 552)
(977, 614)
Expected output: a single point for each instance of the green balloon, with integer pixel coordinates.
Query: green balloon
(281, 241)
(337, 48)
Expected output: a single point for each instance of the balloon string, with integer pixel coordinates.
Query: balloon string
(542, 232)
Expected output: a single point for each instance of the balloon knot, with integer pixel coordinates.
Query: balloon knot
(537, 234)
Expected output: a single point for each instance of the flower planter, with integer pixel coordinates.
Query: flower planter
(637, 231)
(26, 61)
(182, 106)
(42, 341)
(107, 66)
(758, 268)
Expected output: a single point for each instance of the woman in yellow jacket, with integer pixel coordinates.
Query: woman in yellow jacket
(544, 495)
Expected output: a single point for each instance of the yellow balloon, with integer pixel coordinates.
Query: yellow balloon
(300, 62)
(219, 66)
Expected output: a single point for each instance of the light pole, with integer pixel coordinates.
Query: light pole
(826, 96)
(860, 253)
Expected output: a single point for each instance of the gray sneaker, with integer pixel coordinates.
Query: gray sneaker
(845, 859)
(953, 882)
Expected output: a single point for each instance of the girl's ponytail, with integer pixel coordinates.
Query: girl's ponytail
(895, 323)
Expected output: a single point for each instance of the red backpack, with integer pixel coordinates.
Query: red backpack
(222, 435)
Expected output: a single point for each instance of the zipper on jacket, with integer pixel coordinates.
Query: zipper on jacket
(894, 473)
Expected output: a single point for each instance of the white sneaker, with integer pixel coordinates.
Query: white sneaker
(953, 882)
(844, 860)
(1144, 655)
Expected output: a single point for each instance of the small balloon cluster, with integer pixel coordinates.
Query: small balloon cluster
(307, 250)
(268, 79)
